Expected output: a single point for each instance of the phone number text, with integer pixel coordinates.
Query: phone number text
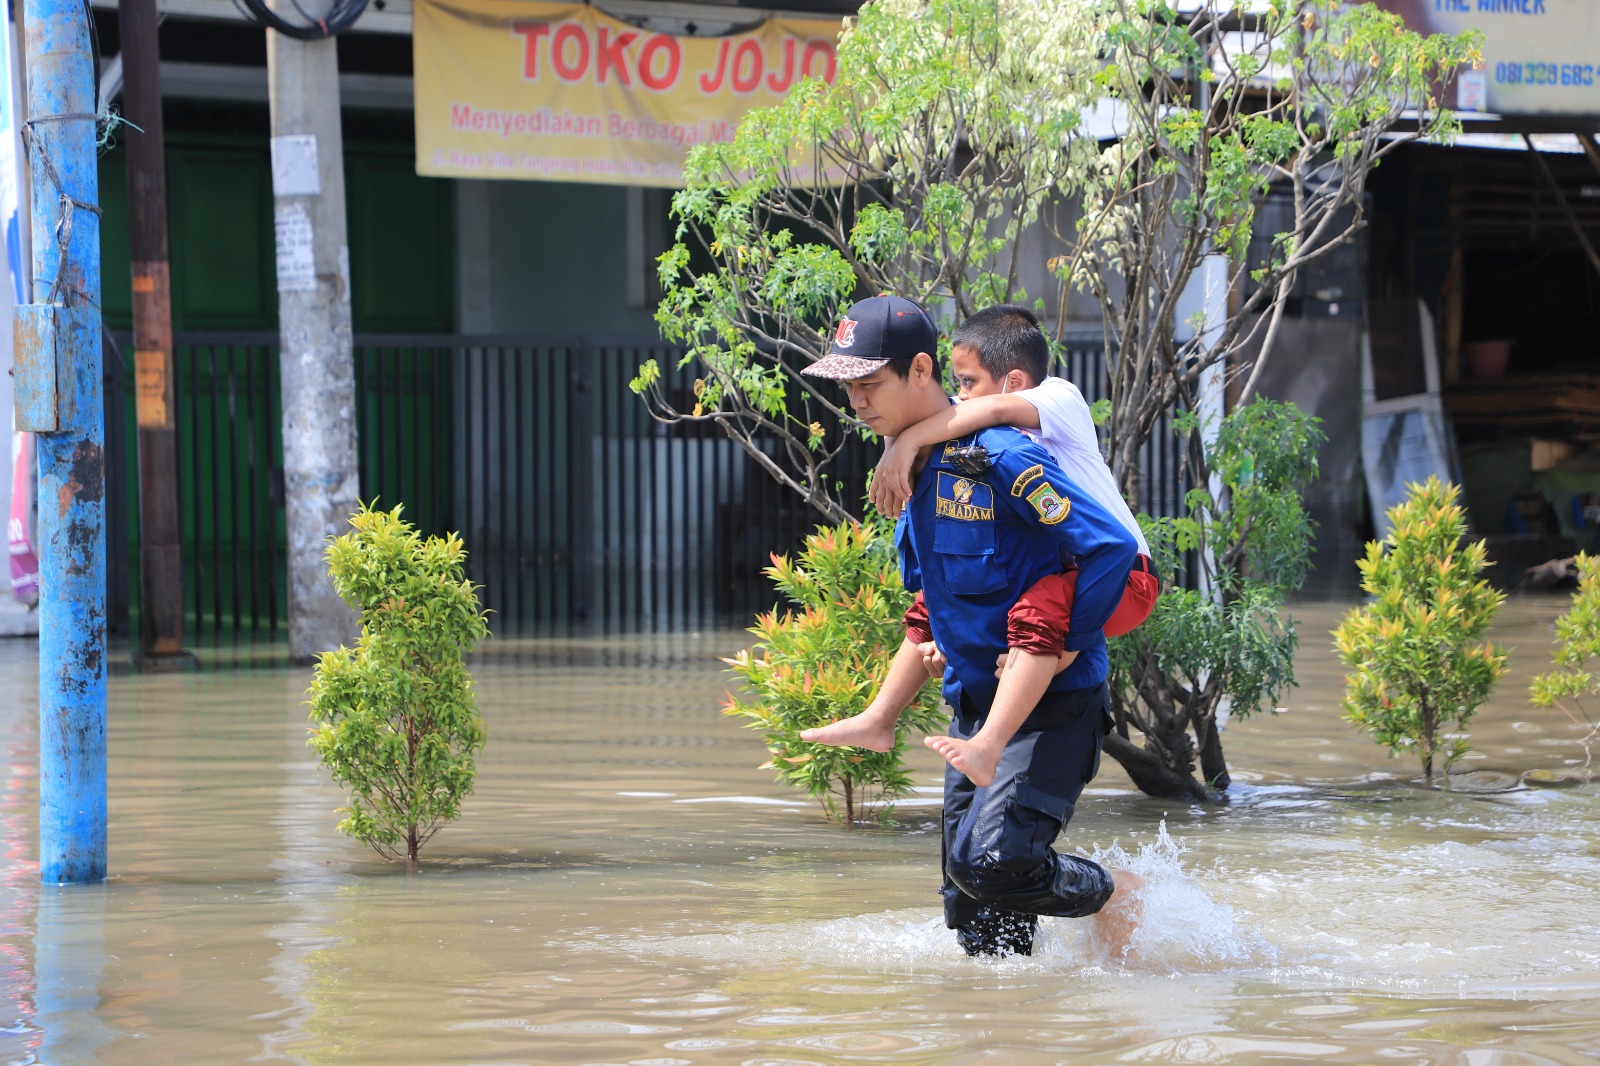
(1578, 75)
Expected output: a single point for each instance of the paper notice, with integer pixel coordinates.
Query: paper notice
(297, 268)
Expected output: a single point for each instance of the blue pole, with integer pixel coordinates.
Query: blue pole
(60, 137)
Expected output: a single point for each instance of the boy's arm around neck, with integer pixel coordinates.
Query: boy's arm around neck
(969, 416)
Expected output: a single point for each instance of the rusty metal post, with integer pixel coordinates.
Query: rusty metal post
(58, 377)
(160, 549)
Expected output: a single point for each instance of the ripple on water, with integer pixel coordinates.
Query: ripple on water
(580, 1027)
(1431, 916)
(877, 1042)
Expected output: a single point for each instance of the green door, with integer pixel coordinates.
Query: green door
(220, 235)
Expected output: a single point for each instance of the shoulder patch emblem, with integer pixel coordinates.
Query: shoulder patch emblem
(1050, 504)
(1026, 478)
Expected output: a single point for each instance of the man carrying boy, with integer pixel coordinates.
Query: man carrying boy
(999, 359)
(983, 524)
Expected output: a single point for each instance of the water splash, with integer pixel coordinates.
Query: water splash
(1183, 929)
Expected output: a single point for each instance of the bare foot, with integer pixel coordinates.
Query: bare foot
(976, 760)
(857, 731)
(1117, 921)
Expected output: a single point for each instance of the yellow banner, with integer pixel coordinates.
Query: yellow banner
(537, 91)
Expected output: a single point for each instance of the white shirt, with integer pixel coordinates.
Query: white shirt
(1066, 430)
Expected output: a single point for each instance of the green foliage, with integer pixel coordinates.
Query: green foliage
(1303, 107)
(1577, 656)
(1228, 640)
(1417, 669)
(823, 662)
(396, 719)
(948, 126)
(955, 126)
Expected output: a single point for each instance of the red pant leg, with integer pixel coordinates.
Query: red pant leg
(918, 631)
(1138, 600)
(1038, 621)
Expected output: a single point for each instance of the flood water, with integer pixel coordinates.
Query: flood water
(626, 886)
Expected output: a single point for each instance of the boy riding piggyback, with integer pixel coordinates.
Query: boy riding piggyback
(1000, 362)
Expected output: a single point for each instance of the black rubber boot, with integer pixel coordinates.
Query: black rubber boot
(997, 933)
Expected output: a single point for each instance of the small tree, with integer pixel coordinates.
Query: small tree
(1307, 100)
(1577, 677)
(1417, 670)
(824, 662)
(1227, 639)
(949, 124)
(397, 722)
(953, 126)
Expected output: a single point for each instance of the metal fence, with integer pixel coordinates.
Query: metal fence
(1162, 483)
(580, 512)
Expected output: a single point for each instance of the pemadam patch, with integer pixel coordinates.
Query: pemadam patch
(1051, 505)
(964, 499)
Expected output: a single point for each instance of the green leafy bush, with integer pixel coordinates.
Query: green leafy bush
(1227, 640)
(1417, 669)
(1577, 649)
(823, 662)
(397, 721)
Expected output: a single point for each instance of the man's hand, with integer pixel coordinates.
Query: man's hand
(1063, 660)
(932, 659)
(891, 483)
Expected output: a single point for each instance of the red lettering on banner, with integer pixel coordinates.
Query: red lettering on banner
(747, 63)
(569, 33)
(774, 82)
(816, 48)
(660, 44)
(741, 66)
(530, 32)
(710, 83)
(609, 55)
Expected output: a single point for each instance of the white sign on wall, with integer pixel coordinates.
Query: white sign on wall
(1540, 57)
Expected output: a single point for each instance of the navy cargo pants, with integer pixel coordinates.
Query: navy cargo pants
(1000, 871)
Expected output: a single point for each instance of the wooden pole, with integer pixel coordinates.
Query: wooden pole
(160, 544)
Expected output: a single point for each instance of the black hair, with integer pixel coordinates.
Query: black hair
(902, 367)
(1006, 337)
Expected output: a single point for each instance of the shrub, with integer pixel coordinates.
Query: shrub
(823, 662)
(1229, 641)
(1417, 670)
(397, 722)
(1578, 647)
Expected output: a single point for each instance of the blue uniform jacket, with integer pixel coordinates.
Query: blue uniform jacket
(973, 546)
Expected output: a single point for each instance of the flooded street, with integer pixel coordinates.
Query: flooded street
(626, 886)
